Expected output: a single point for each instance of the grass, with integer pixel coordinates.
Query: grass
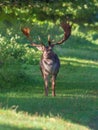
(74, 107)
(23, 105)
(32, 112)
(27, 122)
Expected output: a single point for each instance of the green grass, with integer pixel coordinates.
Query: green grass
(27, 111)
(74, 107)
(28, 122)
(23, 105)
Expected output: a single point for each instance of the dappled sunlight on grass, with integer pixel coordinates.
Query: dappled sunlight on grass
(68, 112)
(25, 121)
(82, 71)
(79, 62)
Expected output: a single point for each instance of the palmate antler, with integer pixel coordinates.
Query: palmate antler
(67, 32)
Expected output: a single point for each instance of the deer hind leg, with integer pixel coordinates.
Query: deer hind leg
(46, 81)
(53, 85)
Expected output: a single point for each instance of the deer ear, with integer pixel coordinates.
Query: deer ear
(40, 47)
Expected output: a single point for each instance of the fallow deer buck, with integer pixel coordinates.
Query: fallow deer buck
(49, 63)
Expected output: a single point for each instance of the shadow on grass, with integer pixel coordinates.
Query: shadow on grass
(8, 127)
(81, 109)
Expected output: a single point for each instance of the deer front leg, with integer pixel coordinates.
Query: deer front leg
(53, 85)
(46, 81)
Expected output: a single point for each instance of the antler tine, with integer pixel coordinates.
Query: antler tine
(67, 21)
(41, 42)
(40, 39)
(49, 40)
(26, 31)
(65, 26)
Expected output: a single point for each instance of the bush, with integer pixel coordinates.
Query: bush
(12, 50)
(13, 56)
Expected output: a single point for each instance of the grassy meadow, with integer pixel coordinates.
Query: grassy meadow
(23, 105)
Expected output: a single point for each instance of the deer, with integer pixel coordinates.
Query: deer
(49, 62)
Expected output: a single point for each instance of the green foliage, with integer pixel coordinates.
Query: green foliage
(29, 11)
(12, 50)
(13, 57)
